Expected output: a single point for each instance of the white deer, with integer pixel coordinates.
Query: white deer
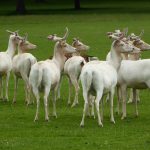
(6, 62)
(22, 63)
(45, 75)
(72, 69)
(139, 79)
(100, 77)
(143, 47)
(137, 42)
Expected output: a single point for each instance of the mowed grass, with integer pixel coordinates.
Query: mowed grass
(17, 129)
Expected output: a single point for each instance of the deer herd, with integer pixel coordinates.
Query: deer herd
(122, 69)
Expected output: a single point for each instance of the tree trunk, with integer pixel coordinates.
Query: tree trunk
(77, 4)
(20, 7)
(40, 1)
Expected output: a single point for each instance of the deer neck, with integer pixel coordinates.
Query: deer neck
(20, 50)
(135, 56)
(59, 57)
(125, 56)
(76, 54)
(11, 48)
(115, 58)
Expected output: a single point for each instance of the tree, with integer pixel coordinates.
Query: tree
(20, 7)
(77, 4)
(40, 1)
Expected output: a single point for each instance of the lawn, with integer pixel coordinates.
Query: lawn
(17, 129)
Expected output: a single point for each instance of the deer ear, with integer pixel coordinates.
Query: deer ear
(129, 38)
(113, 37)
(21, 42)
(74, 39)
(10, 32)
(17, 38)
(54, 34)
(109, 33)
(61, 42)
(121, 36)
(77, 38)
(16, 33)
(51, 37)
(116, 43)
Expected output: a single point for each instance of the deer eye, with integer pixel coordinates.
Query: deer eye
(79, 44)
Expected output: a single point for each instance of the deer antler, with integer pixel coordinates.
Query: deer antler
(66, 34)
(125, 31)
(26, 36)
(142, 32)
(11, 32)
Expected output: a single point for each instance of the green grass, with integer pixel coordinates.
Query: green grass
(17, 129)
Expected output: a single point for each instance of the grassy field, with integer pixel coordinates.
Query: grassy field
(17, 129)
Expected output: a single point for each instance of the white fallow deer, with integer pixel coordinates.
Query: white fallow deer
(136, 40)
(79, 56)
(72, 69)
(6, 62)
(100, 77)
(139, 78)
(115, 35)
(22, 63)
(45, 75)
(136, 75)
(55, 38)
